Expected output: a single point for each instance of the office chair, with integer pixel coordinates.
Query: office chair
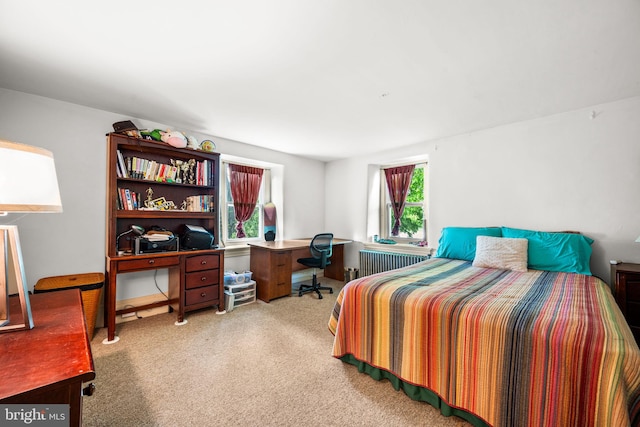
(321, 249)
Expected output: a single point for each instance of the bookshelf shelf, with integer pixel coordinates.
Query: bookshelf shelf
(161, 183)
(163, 214)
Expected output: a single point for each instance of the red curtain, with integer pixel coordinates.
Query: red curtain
(245, 187)
(398, 182)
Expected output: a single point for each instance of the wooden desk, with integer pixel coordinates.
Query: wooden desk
(49, 363)
(195, 282)
(272, 264)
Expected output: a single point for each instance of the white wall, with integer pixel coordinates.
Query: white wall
(563, 172)
(74, 241)
(566, 171)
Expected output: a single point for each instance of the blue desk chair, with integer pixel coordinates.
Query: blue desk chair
(321, 248)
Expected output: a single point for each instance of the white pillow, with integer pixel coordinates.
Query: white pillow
(501, 252)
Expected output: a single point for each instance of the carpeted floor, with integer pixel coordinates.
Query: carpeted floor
(261, 364)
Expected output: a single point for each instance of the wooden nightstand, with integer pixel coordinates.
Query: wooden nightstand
(50, 363)
(626, 290)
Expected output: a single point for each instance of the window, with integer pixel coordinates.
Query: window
(254, 226)
(413, 220)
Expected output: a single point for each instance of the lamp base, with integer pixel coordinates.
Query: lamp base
(12, 271)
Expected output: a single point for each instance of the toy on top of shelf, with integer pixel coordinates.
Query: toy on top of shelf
(192, 142)
(207, 145)
(153, 135)
(174, 138)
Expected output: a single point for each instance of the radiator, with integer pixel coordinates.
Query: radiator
(372, 262)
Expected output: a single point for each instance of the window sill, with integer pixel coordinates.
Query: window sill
(237, 250)
(399, 248)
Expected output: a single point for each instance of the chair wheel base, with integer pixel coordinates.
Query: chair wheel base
(314, 287)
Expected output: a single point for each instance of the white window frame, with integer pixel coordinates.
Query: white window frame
(386, 214)
(265, 194)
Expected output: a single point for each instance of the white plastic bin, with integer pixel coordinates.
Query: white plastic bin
(237, 295)
(232, 278)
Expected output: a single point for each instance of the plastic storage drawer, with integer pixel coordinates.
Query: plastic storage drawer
(236, 297)
(234, 289)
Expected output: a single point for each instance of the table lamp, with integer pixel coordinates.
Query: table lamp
(28, 183)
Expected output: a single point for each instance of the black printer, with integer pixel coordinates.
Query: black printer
(195, 237)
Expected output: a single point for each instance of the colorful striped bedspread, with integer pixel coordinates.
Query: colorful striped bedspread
(530, 349)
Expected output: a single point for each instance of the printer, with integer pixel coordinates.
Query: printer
(195, 237)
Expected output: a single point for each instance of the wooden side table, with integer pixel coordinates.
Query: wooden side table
(49, 363)
(626, 290)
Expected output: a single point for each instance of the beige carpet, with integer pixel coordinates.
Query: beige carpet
(261, 364)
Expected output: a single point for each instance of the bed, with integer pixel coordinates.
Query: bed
(477, 334)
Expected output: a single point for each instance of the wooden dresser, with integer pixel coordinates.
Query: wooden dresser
(202, 281)
(626, 290)
(50, 363)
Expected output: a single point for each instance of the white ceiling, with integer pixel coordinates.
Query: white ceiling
(324, 79)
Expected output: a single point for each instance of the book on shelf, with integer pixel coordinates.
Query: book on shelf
(200, 203)
(128, 198)
(123, 166)
(134, 200)
(149, 171)
(119, 203)
(203, 173)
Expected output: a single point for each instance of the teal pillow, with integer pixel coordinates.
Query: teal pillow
(460, 242)
(564, 252)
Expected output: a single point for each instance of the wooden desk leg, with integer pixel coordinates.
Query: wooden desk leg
(110, 304)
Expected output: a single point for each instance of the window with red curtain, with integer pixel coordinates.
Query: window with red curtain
(398, 181)
(245, 184)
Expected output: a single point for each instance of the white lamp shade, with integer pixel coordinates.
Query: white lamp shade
(28, 180)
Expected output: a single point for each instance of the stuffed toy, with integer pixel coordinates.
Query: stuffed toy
(153, 135)
(174, 138)
(192, 142)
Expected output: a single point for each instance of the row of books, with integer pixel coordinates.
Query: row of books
(189, 172)
(204, 203)
(129, 200)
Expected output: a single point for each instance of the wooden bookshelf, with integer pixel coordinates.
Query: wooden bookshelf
(120, 219)
(190, 196)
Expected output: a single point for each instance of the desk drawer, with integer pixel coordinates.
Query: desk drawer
(148, 263)
(204, 294)
(202, 278)
(202, 262)
(280, 260)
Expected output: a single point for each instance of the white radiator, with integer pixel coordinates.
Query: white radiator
(372, 262)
